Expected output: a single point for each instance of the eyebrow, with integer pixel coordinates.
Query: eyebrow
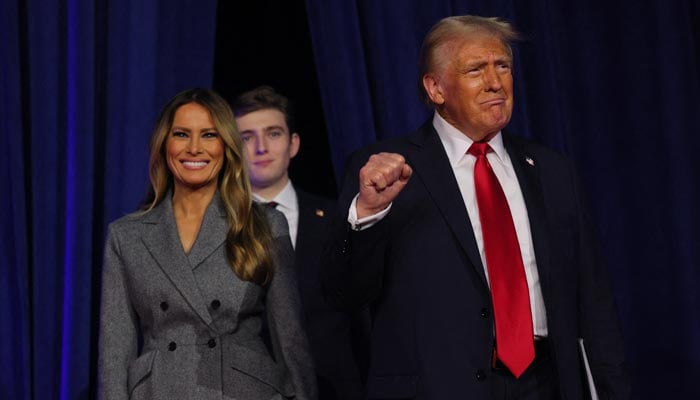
(182, 128)
(265, 129)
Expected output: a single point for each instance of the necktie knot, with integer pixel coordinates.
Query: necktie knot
(478, 149)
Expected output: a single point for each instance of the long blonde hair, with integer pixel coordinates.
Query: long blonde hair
(248, 238)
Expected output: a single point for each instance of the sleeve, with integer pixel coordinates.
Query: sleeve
(598, 317)
(285, 321)
(353, 259)
(118, 332)
(360, 224)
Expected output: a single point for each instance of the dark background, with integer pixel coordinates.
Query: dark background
(268, 43)
(614, 85)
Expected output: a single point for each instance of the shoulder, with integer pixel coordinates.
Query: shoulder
(529, 148)
(133, 225)
(130, 221)
(307, 199)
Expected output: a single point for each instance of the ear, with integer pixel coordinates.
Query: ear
(295, 141)
(433, 89)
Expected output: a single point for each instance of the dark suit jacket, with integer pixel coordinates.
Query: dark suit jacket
(184, 326)
(337, 338)
(420, 269)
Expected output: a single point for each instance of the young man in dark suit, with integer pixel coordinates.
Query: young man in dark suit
(472, 246)
(265, 122)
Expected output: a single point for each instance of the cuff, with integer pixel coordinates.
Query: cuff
(366, 222)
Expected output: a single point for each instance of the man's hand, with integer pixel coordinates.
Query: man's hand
(381, 179)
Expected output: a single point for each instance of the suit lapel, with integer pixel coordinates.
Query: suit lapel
(527, 170)
(163, 242)
(431, 165)
(212, 233)
(302, 231)
(309, 221)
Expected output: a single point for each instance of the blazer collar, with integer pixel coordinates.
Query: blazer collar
(527, 169)
(432, 166)
(163, 242)
(212, 233)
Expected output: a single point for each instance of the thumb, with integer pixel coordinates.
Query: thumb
(406, 173)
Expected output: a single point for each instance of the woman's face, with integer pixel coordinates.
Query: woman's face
(194, 148)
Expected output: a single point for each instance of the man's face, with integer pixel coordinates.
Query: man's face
(269, 147)
(473, 87)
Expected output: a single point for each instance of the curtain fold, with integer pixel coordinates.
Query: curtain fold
(614, 85)
(82, 84)
(14, 283)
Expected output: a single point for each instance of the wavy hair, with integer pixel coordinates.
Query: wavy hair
(249, 237)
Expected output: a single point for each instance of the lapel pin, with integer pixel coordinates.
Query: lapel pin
(319, 213)
(530, 161)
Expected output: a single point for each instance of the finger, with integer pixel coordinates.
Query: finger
(379, 181)
(406, 173)
(372, 178)
(388, 164)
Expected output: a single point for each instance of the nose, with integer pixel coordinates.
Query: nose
(492, 80)
(194, 145)
(260, 145)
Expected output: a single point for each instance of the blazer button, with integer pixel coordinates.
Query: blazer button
(172, 346)
(164, 306)
(215, 304)
(484, 312)
(480, 375)
(211, 343)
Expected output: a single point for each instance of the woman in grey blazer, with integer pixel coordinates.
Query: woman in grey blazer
(199, 299)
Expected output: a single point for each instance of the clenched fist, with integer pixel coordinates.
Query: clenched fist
(381, 179)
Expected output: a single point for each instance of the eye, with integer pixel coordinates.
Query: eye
(474, 71)
(276, 133)
(246, 137)
(181, 134)
(504, 67)
(212, 134)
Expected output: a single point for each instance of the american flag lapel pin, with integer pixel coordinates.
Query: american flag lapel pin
(530, 161)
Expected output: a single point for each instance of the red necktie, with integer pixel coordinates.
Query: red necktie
(509, 293)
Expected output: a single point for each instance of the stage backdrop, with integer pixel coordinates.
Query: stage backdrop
(615, 85)
(81, 84)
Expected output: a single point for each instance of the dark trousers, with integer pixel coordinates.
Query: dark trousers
(538, 382)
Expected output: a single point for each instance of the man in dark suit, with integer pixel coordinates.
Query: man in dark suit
(265, 122)
(472, 247)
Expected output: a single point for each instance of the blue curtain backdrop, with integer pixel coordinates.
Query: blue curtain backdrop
(81, 84)
(615, 85)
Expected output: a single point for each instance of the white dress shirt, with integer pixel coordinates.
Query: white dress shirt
(288, 204)
(456, 145)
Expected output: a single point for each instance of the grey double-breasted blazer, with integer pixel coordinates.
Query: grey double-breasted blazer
(184, 326)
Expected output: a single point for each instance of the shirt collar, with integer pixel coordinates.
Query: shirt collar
(456, 143)
(287, 198)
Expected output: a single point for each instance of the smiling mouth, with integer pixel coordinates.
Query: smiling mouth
(195, 164)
